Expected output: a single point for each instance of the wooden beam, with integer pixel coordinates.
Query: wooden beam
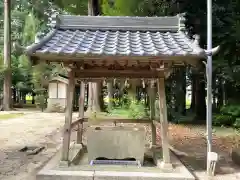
(78, 121)
(68, 117)
(152, 98)
(89, 73)
(164, 122)
(54, 57)
(135, 121)
(81, 112)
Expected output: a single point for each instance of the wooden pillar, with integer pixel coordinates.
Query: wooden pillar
(68, 117)
(152, 97)
(81, 112)
(164, 122)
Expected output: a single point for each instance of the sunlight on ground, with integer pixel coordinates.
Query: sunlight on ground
(10, 116)
(119, 112)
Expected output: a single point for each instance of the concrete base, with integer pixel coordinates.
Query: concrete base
(56, 104)
(82, 170)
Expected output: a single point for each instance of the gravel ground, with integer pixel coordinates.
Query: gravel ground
(44, 129)
(32, 129)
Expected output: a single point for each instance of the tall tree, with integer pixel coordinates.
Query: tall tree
(7, 94)
(94, 88)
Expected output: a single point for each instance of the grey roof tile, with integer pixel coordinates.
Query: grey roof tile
(75, 35)
(119, 43)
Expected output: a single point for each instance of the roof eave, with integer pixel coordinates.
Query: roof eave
(213, 51)
(32, 48)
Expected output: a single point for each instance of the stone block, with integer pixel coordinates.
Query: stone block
(109, 175)
(116, 142)
(65, 175)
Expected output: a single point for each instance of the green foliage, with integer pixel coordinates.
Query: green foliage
(41, 101)
(137, 110)
(125, 101)
(233, 110)
(229, 116)
(31, 27)
(119, 112)
(237, 123)
(79, 7)
(223, 120)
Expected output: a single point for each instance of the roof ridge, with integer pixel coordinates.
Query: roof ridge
(155, 23)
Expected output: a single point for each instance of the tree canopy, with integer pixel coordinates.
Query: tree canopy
(30, 18)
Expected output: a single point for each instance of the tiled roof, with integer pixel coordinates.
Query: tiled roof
(119, 43)
(126, 36)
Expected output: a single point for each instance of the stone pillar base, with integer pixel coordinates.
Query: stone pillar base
(166, 166)
(64, 164)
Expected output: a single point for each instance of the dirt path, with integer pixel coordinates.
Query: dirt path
(191, 140)
(32, 129)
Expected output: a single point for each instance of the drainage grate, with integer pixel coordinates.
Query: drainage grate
(115, 162)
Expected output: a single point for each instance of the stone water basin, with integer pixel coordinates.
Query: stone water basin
(116, 142)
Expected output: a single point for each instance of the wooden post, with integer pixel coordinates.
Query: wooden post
(164, 122)
(68, 117)
(81, 112)
(152, 97)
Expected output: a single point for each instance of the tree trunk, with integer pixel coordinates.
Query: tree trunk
(132, 91)
(24, 98)
(14, 95)
(95, 97)
(94, 100)
(100, 95)
(90, 98)
(220, 93)
(223, 93)
(193, 94)
(110, 94)
(183, 96)
(33, 98)
(214, 87)
(200, 98)
(81, 99)
(7, 94)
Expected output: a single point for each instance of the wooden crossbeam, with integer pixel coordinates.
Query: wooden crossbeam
(89, 73)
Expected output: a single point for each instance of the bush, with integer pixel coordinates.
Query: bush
(137, 110)
(125, 101)
(233, 110)
(223, 120)
(41, 101)
(237, 123)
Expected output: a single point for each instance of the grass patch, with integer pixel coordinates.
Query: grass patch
(10, 116)
(124, 113)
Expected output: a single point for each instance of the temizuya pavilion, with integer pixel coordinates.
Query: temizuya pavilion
(102, 47)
